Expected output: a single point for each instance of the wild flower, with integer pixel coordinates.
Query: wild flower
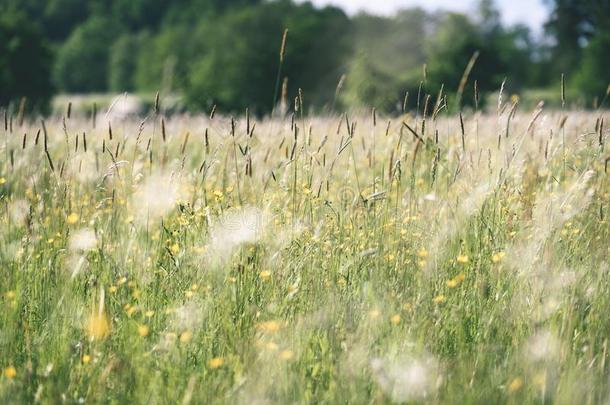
(216, 362)
(454, 282)
(186, 336)
(269, 326)
(439, 299)
(98, 326)
(72, 218)
(395, 319)
(462, 259)
(497, 257)
(143, 330)
(10, 372)
(286, 355)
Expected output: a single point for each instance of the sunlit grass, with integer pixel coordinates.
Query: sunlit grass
(306, 259)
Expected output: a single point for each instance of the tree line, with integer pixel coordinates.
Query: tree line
(227, 52)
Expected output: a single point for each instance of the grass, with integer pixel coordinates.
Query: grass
(311, 260)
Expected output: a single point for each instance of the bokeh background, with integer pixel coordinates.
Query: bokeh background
(343, 54)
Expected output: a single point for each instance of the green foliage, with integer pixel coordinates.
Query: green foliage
(123, 62)
(593, 77)
(135, 15)
(387, 61)
(367, 86)
(239, 62)
(161, 63)
(501, 53)
(225, 52)
(25, 61)
(82, 61)
(573, 23)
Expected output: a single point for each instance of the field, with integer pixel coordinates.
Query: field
(360, 259)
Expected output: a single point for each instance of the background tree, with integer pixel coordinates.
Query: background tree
(593, 76)
(368, 86)
(164, 59)
(386, 60)
(568, 25)
(123, 62)
(82, 61)
(502, 54)
(240, 56)
(25, 61)
(225, 52)
(581, 32)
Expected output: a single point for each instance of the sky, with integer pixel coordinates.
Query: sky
(533, 13)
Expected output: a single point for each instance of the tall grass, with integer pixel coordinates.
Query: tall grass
(438, 258)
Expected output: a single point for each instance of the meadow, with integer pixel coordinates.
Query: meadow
(430, 257)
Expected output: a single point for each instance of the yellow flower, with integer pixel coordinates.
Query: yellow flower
(143, 330)
(439, 299)
(269, 326)
(271, 346)
(149, 314)
(86, 359)
(462, 259)
(497, 257)
(395, 319)
(10, 372)
(515, 385)
(286, 355)
(175, 248)
(2, 181)
(454, 282)
(186, 336)
(189, 293)
(130, 310)
(72, 218)
(112, 289)
(423, 253)
(98, 326)
(216, 362)
(265, 275)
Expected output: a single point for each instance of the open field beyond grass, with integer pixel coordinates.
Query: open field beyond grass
(306, 260)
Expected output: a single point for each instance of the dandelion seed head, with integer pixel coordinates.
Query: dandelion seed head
(83, 240)
(543, 346)
(407, 379)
